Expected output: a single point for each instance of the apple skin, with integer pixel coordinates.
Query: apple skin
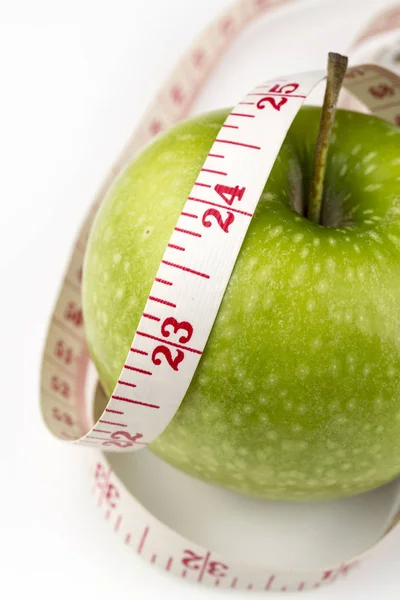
(297, 394)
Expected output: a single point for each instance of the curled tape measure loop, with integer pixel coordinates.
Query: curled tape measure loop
(166, 351)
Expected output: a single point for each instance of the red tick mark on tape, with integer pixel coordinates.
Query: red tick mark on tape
(239, 144)
(243, 114)
(143, 540)
(151, 317)
(137, 351)
(186, 214)
(163, 281)
(143, 371)
(188, 232)
(162, 301)
(174, 247)
(112, 422)
(116, 412)
(130, 401)
(214, 172)
(202, 184)
(186, 269)
(127, 383)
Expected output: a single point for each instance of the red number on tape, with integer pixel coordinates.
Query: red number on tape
(127, 440)
(276, 104)
(63, 352)
(287, 88)
(228, 193)
(60, 386)
(381, 91)
(62, 417)
(176, 325)
(74, 314)
(173, 362)
(194, 561)
(217, 569)
(213, 212)
(109, 490)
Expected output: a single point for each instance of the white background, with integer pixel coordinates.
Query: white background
(74, 79)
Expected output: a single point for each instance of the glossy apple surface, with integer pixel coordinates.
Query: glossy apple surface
(297, 394)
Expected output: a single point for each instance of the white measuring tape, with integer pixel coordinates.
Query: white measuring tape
(185, 296)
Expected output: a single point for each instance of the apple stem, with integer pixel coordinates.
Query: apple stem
(337, 66)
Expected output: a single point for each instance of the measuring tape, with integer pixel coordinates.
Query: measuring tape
(185, 297)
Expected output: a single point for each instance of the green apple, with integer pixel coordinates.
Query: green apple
(297, 394)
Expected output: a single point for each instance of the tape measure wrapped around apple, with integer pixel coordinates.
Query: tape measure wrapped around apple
(205, 253)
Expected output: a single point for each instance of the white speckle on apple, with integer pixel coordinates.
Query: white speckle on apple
(378, 402)
(305, 252)
(265, 272)
(302, 372)
(297, 428)
(343, 171)
(272, 436)
(299, 275)
(316, 242)
(311, 304)
(334, 368)
(119, 293)
(395, 162)
(317, 267)
(276, 231)
(117, 258)
(288, 405)
(369, 169)
(356, 149)
(368, 222)
(372, 187)
(263, 400)
(375, 236)
(127, 266)
(346, 466)
(360, 273)
(332, 407)
(350, 274)
(332, 241)
(302, 445)
(298, 237)
(368, 211)
(268, 300)
(394, 239)
(104, 318)
(357, 248)
(379, 429)
(330, 265)
(106, 276)
(322, 286)
(366, 370)
(391, 372)
(317, 343)
(264, 419)
(369, 157)
(273, 379)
